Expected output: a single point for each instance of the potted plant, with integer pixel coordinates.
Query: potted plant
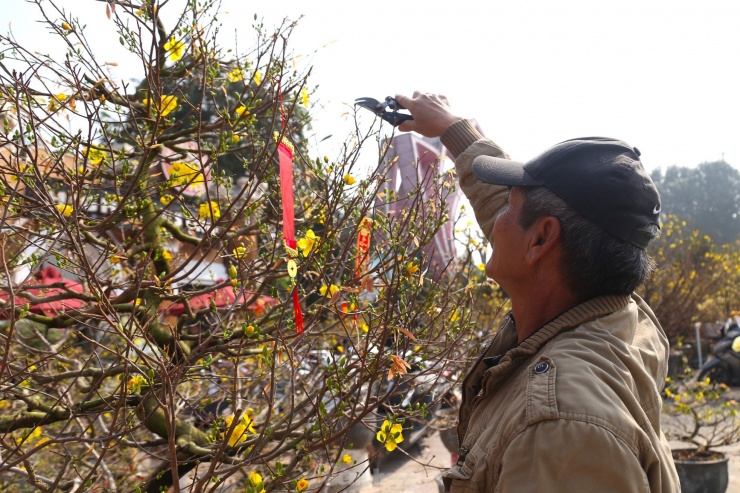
(703, 417)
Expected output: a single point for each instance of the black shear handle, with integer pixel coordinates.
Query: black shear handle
(395, 118)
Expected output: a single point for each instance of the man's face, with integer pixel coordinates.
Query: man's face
(506, 265)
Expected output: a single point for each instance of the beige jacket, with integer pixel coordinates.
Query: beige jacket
(573, 408)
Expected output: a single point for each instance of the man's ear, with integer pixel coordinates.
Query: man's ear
(543, 238)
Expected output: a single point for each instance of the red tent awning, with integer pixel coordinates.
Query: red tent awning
(46, 277)
(50, 276)
(222, 297)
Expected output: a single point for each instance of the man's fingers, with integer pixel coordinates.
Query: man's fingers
(431, 113)
(404, 100)
(407, 126)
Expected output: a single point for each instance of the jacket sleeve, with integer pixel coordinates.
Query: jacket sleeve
(561, 456)
(466, 143)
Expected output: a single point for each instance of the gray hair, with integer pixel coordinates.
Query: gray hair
(595, 262)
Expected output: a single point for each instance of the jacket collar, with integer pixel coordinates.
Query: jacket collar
(579, 314)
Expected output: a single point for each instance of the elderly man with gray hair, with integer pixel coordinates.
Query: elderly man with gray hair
(567, 395)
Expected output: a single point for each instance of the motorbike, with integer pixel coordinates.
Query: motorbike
(724, 366)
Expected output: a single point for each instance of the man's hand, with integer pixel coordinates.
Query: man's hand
(431, 112)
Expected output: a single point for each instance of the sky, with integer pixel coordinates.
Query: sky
(662, 75)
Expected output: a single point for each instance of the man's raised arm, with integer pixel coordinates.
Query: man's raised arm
(433, 117)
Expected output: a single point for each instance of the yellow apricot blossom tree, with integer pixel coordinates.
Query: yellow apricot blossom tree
(695, 281)
(156, 331)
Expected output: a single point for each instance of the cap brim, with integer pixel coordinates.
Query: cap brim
(499, 171)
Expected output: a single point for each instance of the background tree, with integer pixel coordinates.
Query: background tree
(707, 197)
(130, 372)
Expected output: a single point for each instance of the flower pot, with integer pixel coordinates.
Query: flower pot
(705, 473)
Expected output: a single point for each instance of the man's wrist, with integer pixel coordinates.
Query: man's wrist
(459, 135)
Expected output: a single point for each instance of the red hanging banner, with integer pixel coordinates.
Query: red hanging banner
(285, 155)
(286, 190)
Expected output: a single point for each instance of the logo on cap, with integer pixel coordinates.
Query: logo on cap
(656, 210)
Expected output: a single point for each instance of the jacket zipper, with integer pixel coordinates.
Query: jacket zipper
(464, 450)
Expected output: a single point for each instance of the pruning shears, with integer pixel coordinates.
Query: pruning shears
(387, 110)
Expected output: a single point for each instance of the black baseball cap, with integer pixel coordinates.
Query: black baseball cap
(600, 178)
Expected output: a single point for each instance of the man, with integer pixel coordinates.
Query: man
(566, 398)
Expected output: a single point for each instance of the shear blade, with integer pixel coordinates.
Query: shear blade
(371, 104)
(387, 110)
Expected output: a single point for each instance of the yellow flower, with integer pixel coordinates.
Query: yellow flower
(301, 485)
(482, 267)
(241, 429)
(308, 242)
(209, 210)
(304, 97)
(137, 302)
(346, 458)
(328, 291)
(258, 77)
(349, 179)
(232, 271)
(235, 138)
(255, 478)
(166, 255)
(411, 268)
(183, 173)
(240, 252)
(134, 383)
(166, 199)
(175, 48)
(94, 156)
(242, 111)
(235, 75)
(33, 436)
(167, 105)
(364, 327)
(61, 97)
(66, 26)
(390, 434)
(65, 209)
(249, 330)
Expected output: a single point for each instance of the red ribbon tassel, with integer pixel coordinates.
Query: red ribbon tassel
(363, 246)
(285, 154)
(361, 260)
